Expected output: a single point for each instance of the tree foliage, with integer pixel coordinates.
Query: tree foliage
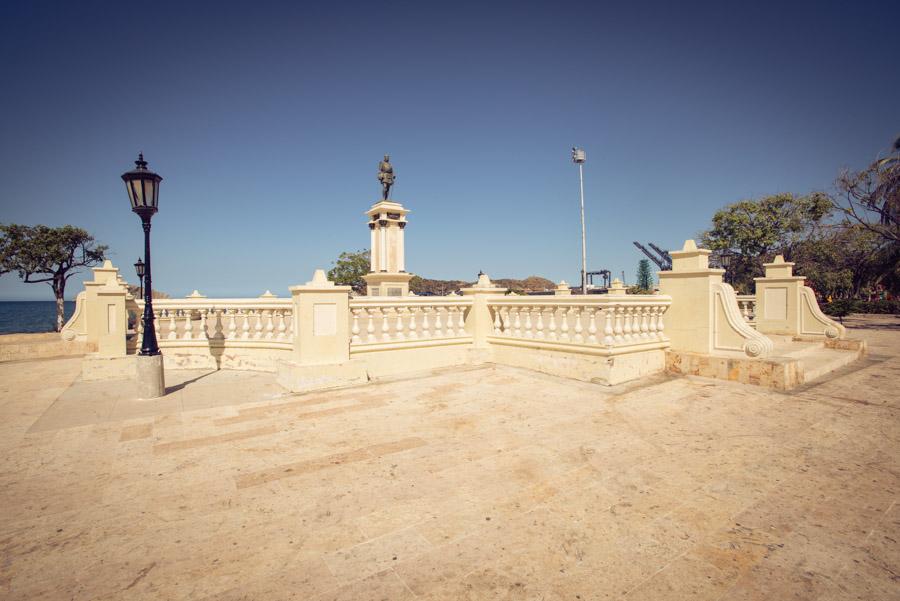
(46, 254)
(349, 270)
(752, 232)
(871, 197)
(644, 276)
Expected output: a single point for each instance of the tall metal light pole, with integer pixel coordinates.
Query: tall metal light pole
(578, 157)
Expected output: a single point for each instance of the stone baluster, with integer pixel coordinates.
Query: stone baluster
(258, 326)
(370, 324)
(660, 326)
(451, 321)
(592, 326)
(289, 315)
(564, 324)
(232, 324)
(398, 326)
(618, 329)
(653, 320)
(245, 326)
(355, 339)
(645, 319)
(426, 326)
(188, 325)
(529, 333)
(270, 324)
(461, 321)
(170, 313)
(517, 324)
(217, 327)
(203, 334)
(498, 324)
(626, 326)
(385, 326)
(577, 315)
(608, 331)
(413, 327)
(438, 331)
(282, 326)
(552, 325)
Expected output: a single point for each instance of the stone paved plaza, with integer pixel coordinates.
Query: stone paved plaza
(481, 483)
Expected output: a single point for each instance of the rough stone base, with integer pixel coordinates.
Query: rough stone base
(301, 378)
(777, 373)
(95, 367)
(848, 344)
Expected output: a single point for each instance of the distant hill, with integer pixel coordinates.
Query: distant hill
(531, 284)
(135, 291)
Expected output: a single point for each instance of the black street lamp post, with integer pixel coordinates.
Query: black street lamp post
(143, 192)
(725, 262)
(139, 270)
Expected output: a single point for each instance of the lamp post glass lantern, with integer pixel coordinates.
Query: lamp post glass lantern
(139, 270)
(142, 186)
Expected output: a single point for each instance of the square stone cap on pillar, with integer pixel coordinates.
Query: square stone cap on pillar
(320, 283)
(483, 284)
(690, 258)
(616, 288)
(105, 273)
(387, 206)
(779, 268)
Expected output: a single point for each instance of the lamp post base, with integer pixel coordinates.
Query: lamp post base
(151, 380)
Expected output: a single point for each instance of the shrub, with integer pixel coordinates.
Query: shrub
(840, 308)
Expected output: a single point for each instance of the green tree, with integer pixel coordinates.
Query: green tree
(753, 231)
(48, 254)
(846, 261)
(349, 270)
(871, 197)
(644, 275)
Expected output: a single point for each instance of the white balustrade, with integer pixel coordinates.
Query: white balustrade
(407, 321)
(747, 305)
(600, 320)
(249, 322)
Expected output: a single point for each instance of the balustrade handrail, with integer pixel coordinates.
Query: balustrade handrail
(388, 322)
(581, 300)
(253, 322)
(409, 301)
(218, 303)
(598, 322)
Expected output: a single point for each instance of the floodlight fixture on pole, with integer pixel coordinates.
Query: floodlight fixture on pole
(578, 157)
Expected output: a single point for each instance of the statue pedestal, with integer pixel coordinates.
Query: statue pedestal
(387, 284)
(387, 222)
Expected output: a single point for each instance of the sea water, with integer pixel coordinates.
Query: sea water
(30, 316)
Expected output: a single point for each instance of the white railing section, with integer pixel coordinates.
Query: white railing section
(380, 321)
(260, 323)
(747, 304)
(595, 320)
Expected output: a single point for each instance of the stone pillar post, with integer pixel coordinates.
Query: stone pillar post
(778, 299)
(690, 319)
(480, 323)
(98, 313)
(321, 356)
(562, 289)
(113, 326)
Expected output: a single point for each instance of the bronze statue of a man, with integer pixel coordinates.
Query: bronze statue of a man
(386, 176)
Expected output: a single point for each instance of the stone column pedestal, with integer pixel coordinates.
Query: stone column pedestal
(480, 324)
(321, 339)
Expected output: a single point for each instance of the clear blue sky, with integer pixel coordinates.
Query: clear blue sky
(267, 121)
